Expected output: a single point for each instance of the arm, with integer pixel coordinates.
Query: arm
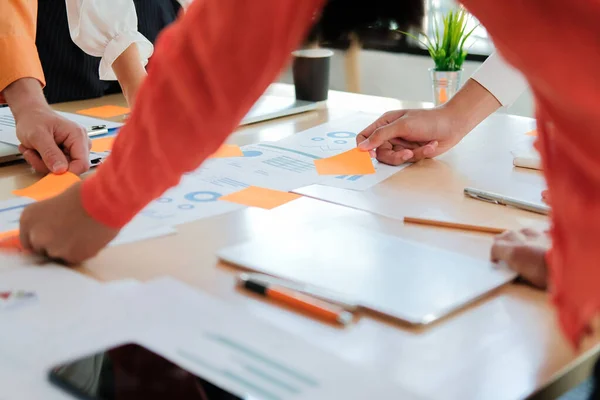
(18, 54)
(197, 68)
(39, 129)
(504, 82)
(130, 73)
(195, 96)
(108, 29)
(412, 135)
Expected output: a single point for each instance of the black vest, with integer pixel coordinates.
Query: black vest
(70, 73)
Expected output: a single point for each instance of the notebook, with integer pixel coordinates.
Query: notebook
(408, 281)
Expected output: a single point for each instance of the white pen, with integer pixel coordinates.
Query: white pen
(97, 130)
(507, 201)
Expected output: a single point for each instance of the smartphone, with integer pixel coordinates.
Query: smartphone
(132, 372)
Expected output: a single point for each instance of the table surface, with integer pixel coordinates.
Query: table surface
(504, 346)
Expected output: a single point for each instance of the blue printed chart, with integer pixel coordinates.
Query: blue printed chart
(138, 229)
(331, 138)
(334, 138)
(195, 197)
(278, 167)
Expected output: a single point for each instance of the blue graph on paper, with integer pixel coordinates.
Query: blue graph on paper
(290, 164)
(352, 178)
(341, 135)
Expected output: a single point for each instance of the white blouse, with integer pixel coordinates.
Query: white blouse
(500, 79)
(106, 28)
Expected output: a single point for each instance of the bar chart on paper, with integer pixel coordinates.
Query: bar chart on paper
(256, 372)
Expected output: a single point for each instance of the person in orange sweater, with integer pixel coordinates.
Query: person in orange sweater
(211, 92)
(21, 81)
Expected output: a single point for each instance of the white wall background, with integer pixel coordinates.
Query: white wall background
(402, 76)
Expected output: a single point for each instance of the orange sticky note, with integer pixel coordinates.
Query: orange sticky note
(351, 162)
(103, 144)
(10, 241)
(228, 150)
(49, 186)
(255, 196)
(105, 111)
(532, 133)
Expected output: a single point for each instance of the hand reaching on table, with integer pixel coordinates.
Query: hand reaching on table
(61, 229)
(49, 142)
(524, 252)
(412, 135)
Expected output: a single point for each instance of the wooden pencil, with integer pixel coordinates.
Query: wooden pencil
(453, 225)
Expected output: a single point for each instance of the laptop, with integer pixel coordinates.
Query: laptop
(272, 107)
(9, 151)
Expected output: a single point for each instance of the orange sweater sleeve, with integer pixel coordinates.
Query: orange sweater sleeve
(566, 91)
(18, 53)
(208, 70)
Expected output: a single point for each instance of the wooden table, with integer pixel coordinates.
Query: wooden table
(505, 346)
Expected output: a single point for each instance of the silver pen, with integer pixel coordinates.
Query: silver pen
(97, 130)
(507, 201)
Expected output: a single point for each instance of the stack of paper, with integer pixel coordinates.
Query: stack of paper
(72, 317)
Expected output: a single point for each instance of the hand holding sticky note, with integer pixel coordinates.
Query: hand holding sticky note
(351, 162)
(49, 186)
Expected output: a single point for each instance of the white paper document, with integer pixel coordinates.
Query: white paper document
(196, 197)
(225, 346)
(8, 131)
(336, 137)
(140, 228)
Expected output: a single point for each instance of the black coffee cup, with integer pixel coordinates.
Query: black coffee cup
(311, 74)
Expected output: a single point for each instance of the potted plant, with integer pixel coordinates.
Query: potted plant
(447, 49)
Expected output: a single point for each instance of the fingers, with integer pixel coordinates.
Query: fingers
(423, 152)
(36, 162)
(387, 155)
(384, 120)
(502, 250)
(400, 154)
(79, 152)
(531, 233)
(52, 156)
(546, 197)
(381, 135)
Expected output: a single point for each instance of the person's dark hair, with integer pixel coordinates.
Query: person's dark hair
(342, 17)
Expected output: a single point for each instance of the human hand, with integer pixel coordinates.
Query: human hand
(49, 142)
(546, 197)
(411, 135)
(61, 229)
(524, 252)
